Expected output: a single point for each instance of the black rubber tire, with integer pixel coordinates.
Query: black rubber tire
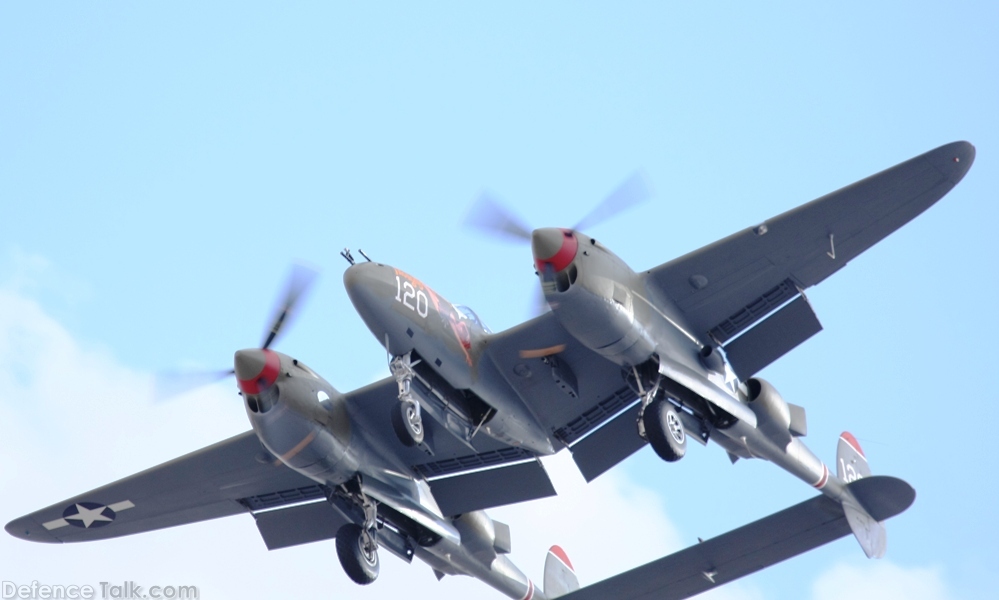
(360, 566)
(664, 430)
(410, 433)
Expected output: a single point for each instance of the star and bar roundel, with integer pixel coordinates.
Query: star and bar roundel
(89, 514)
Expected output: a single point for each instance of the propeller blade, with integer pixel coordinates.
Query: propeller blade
(299, 282)
(539, 304)
(490, 215)
(170, 384)
(632, 191)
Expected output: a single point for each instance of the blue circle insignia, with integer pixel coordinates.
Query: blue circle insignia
(88, 514)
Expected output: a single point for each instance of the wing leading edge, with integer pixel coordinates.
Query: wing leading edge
(729, 286)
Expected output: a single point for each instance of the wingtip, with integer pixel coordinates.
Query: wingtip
(954, 159)
(26, 529)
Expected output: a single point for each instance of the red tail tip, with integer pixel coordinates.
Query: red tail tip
(562, 556)
(847, 437)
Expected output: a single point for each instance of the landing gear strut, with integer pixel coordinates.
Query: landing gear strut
(658, 421)
(357, 545)
(406, 420)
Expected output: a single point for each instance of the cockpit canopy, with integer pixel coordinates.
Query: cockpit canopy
(469, 314)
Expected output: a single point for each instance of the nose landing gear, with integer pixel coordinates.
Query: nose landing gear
(407, 422)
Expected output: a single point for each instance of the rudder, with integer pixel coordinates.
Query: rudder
(851, 465)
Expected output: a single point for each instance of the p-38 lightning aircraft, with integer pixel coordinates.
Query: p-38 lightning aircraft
(626, 357)
(410, 463)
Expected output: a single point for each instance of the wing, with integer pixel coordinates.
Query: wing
(234, 476)
(748, 549)
(463, 477)
(727, 287)
(543, 363)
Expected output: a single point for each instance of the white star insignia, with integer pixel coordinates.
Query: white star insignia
(86, 517)
(89, 515)
(731, 380)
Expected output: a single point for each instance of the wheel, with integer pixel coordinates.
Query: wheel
(408, 423)
(664, 429)
(357, 553)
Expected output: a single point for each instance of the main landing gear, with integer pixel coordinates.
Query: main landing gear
(358, 553)
(406, 419)
(357, 545)
(658, 421)
(664, 429)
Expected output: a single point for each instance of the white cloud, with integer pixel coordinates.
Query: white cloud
(606, 527)
(880, 580)
(28, 273)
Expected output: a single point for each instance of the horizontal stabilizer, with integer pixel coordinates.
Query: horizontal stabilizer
(750, 548)
(883, 497)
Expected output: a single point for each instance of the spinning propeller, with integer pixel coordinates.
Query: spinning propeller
(491, 216)
(300, 280)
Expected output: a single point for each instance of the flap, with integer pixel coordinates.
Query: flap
(609, 445)
(300, 524)
(772, 338)
(493, 487)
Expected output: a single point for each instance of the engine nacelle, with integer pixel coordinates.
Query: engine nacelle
(302, 420)
(481, 535)
(773, 415)
(596, 301)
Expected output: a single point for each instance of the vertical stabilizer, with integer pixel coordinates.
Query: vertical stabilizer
(851, 465)
(560, 578)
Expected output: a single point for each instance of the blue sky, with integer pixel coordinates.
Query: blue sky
(162, 164)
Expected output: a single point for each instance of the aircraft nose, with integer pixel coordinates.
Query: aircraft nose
(361, 281)
(256, 369)
(553, 246)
